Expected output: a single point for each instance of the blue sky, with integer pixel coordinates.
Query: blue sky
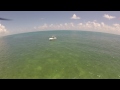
(27, 21)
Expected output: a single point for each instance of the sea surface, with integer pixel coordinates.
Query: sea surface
(74, 55)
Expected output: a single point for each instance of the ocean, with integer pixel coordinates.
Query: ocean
(73, 55)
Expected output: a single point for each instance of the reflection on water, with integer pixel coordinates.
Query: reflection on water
(4, 56)
(75, 54)
(3, 49)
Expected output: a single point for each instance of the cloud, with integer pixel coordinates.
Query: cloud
(75, 17)
(88, 26)
(102, 23)
(35, 27)
(116, 25)
(3, 30)
(61, 25)
(80, 24)
(65, 24)
(50, 25)
(108, 16)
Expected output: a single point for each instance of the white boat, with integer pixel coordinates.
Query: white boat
(52, 38)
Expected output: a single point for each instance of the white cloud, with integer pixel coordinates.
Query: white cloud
(3, 30)
(75, 17)
(102, 23)
(88, 26)
(65, 24)
(50, 25)
(116, 25)
(61, 25)
(45, 25)
(35, 27)
(80, 24)
(72, 24)
(108, 16)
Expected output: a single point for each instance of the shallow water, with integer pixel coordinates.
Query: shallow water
(74, 55)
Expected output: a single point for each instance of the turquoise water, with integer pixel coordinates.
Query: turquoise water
(74, 55)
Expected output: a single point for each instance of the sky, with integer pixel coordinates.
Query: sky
(31, 21)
